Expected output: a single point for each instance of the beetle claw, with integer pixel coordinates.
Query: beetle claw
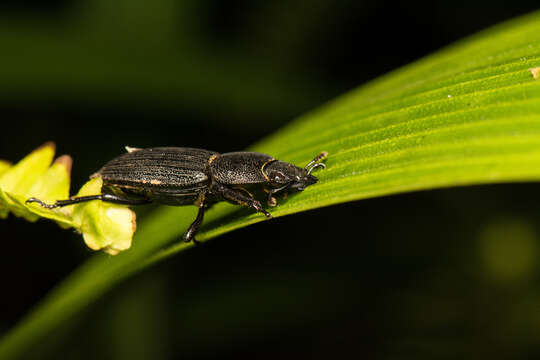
(41, 203)
(257, 206)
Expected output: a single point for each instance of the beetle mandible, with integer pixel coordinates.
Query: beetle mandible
(188, 176)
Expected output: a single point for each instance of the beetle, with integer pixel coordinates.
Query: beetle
(188, 176)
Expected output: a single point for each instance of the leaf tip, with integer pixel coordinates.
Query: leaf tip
(66, 161)
(48, 144)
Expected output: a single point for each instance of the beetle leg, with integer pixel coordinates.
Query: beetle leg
(103, 197)
(244, 190)
(196, 224)
(237, 197)
(194, 227)
(271, 199)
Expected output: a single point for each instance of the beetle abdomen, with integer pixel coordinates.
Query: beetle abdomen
(156, 169)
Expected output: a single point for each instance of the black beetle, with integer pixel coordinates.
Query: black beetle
(184, 176)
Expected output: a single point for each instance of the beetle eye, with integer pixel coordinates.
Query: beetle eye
(279, 177)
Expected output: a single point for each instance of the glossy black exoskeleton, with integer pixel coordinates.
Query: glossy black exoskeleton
(184, 176)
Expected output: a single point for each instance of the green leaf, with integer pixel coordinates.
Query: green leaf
(469, 114)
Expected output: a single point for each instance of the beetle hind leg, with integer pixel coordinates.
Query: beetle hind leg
(103, 197)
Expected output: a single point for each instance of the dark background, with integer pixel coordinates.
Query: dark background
(439, 274)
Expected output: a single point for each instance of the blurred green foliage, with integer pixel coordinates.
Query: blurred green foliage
(143, 53)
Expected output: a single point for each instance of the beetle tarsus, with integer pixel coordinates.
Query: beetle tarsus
(257, 206)
(41, 203)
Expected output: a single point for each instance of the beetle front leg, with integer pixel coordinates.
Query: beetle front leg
(236, 197)
(271, 199)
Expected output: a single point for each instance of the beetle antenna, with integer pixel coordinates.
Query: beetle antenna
(315, 163)
(314, 166)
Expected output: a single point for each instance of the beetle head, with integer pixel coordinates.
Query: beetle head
(281, 174)
(284, 175)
